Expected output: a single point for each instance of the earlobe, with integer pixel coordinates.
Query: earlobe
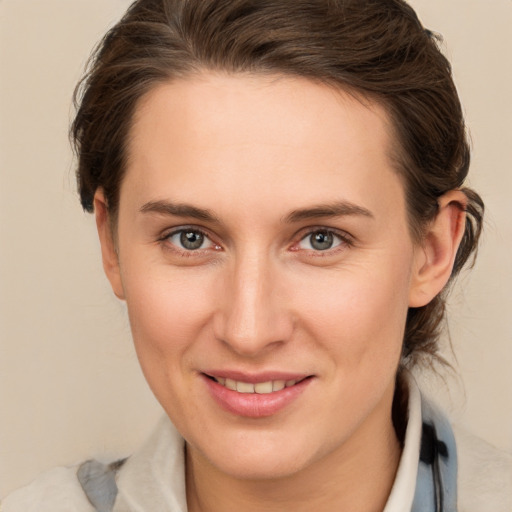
(435, 256)
(108, 248)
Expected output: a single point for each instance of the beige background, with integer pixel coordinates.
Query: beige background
(70, 387)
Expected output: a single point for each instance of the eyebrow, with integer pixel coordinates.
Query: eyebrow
(178, 210)
(338, 209)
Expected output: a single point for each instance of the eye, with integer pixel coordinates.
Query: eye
(321, 240)
(190, 239)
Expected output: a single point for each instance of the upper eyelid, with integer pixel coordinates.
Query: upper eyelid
(166, 233)
(303, 233)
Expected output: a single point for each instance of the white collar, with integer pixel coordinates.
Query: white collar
(402, 493)
(154, 477)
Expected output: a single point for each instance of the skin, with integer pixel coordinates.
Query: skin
(252, 152)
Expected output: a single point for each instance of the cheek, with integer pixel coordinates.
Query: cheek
(167, 311)
(358, 314)
(356, 319)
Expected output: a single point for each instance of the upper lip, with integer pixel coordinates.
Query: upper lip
(254, 378)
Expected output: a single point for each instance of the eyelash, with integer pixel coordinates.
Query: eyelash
(165, 240)
(345, 241)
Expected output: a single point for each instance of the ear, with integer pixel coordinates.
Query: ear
(108, 247)
(435, 255)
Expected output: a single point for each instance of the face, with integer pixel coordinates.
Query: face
(265, 259)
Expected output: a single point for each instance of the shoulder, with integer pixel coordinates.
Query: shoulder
(485, 475)
(56, 490)
(79, 488)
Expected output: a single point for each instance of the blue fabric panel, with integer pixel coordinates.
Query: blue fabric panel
(436, 484)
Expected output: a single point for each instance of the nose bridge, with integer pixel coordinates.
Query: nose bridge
(252, 317)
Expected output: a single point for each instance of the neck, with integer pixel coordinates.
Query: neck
(359, 476)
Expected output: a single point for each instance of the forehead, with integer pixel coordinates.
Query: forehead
(241, 135)
(280, 104)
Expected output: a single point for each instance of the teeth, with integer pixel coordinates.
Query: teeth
(245, 387)
(261, 388)
(230, 384)
(277, 385)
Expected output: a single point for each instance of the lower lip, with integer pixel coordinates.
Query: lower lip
(254, 405)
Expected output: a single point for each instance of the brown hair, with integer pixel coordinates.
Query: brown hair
(376, 48)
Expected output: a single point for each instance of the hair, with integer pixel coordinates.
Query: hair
(377, 49)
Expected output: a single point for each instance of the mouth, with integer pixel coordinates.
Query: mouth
(263, 397)
(260, 388)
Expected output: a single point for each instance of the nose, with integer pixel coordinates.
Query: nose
(252, 315)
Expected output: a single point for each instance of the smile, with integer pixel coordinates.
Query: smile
(261, 388)
(263, 397)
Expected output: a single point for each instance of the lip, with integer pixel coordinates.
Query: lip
(254, 378)
(254, 405)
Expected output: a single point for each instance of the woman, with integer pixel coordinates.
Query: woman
(278, 191)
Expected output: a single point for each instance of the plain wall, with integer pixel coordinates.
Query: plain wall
(70, 386)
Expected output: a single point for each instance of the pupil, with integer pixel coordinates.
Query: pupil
(321, 241)
(191, 240)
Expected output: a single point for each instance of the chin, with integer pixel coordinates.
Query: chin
(262, 468)
(254, 456)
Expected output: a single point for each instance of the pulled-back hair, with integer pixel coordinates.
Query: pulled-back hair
(376, 49)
